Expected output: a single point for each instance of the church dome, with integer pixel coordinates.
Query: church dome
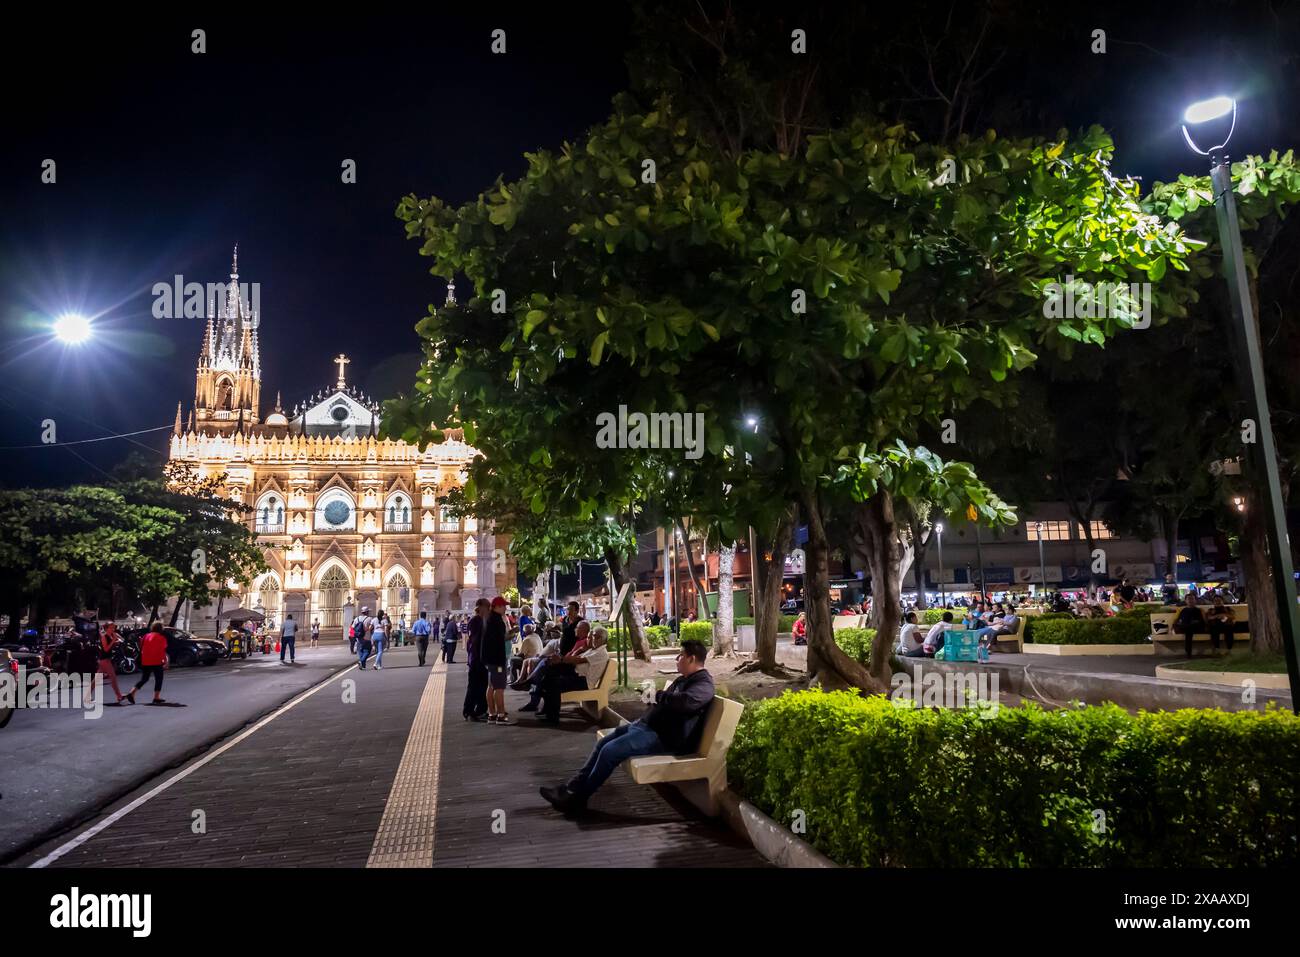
(276, 418)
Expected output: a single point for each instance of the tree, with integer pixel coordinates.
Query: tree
(724, 632)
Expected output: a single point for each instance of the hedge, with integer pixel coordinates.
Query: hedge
(698, 630)
(856, 642)
(658, 635)
(1091, 631)
(1045, 616)
(882, 785)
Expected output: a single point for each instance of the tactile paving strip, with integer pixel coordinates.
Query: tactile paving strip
(405, 835)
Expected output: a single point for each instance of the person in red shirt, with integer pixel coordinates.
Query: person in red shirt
(153, 660)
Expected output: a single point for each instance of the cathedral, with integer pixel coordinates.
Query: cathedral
(347, 519)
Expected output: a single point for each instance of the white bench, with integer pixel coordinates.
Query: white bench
(599, 695)
(840, 622)
(708, 763)
(1162, 624)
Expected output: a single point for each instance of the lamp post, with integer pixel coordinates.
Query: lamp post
(979, 557)
(938, 531)
(1250, 374)
(1042, 567)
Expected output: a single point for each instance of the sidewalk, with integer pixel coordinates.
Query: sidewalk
(333, 783)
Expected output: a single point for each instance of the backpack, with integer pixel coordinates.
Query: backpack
(352, 631)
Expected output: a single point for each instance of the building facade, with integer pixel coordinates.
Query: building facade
(347, 520)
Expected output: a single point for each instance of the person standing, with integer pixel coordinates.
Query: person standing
(153, 661)
(495, 656)
(450, 635)
(315, 631)
(383, 625)
(421, 632)
(108, 642)
(570, 632)
(475, 708)
(361, 626)
(288, 635)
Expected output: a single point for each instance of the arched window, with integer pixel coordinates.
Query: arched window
(225, 395)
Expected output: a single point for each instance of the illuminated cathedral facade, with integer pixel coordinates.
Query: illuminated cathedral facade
(347, 519)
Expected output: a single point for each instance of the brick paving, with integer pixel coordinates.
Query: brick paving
(311, 788)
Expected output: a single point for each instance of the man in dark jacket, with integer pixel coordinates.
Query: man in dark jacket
(672, 726)
(476, 689)
(570, 621)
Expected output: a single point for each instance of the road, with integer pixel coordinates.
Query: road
(59, 767)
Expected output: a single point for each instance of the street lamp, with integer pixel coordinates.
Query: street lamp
(72, 329)
(938, 530)
(1250, 370)
(1042, 567)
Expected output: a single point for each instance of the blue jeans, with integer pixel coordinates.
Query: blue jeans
(379, 651)
(286, 644)
(363, 652)
(633, 740)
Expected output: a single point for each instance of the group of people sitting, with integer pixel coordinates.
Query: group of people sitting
(990, 621)
(569, 655)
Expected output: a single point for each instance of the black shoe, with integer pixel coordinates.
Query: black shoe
(549, 718)
(531, 706)
(558, 798)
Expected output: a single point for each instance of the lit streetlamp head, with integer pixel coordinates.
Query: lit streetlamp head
(939, 527)
(1211, 118)
(72, 329)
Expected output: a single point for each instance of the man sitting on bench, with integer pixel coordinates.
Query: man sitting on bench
(672, 726)
(574, 672)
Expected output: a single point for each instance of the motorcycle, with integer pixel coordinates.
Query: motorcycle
(126, 656)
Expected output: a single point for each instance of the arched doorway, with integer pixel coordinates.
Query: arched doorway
(398, 598)
(334, 587)
(267, 597)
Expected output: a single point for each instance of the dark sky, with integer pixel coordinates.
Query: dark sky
(166, 159)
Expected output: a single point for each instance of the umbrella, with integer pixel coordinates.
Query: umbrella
(242, 614)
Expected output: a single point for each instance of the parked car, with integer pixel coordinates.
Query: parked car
(20, 658)
(183, 648)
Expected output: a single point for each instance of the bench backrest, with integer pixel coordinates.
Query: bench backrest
(719, 726)
(611, 668)
(840, 622)
(1240, 614)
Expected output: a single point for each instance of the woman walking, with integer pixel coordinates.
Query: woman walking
(153, 661)
(315, 631)
(383, 625)
(108, 642)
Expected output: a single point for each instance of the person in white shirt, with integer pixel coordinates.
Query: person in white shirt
(530, 649)
(933, 638)
(909, 636)
(584, 670)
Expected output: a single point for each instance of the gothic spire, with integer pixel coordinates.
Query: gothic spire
(176, 428)
(451, 294)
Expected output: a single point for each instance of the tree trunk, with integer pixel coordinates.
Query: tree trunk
(176, 612)
(640, 644)
(767, 570)
(876, 517)
(1170, 523)
(724, 630)
(15, 622)
(827, 662)
(221, 600)
(920, 548)
(701, 607)
(153, 615)
(1265, 626)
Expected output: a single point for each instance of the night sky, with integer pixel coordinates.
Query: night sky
(166, 159)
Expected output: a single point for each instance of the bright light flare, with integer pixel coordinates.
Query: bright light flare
(1206, 110)
(72, 329)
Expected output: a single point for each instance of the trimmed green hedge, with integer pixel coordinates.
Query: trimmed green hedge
(698, 630)
(1045, 616)
(932, 616)
(658, 635)
(883, 785)
(1091, 631)
(856, 642)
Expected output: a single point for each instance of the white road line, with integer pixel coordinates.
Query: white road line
(117, 815)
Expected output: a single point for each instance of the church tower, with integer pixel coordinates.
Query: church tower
(228, 382)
